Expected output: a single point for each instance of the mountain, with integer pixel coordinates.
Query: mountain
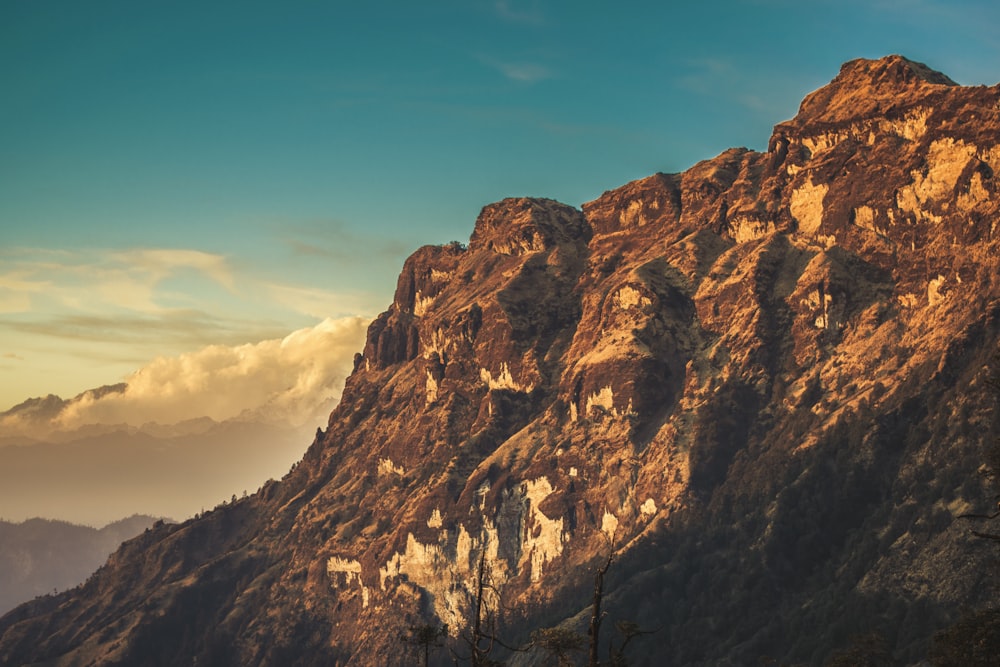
(752, 396)
(38, 556)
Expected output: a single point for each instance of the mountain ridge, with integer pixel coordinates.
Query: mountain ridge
(761, 382)
(41, 555)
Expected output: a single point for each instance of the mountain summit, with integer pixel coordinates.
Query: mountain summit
(864, 87)
(752, 397)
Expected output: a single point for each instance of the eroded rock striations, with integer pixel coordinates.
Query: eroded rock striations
(761, 381)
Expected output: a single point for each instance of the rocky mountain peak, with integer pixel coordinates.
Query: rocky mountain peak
(522, 225)
(866, 87)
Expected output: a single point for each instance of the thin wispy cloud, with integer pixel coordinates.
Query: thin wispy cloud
(725, 79)
(116, 309)
(521, 72)
(534, 118)
(337, 240)
(158, 263)
(318, 303)
(525, 72)
(171, 330)
(525, 13)
(706, 75)
(93, 280)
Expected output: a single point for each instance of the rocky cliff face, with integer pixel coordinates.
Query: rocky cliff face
(760, 382)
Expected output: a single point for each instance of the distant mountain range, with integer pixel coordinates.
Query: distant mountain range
(40, 556)
(738, 415)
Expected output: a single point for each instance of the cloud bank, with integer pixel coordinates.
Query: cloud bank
(183, 434)
(73, 319)
(288, 381)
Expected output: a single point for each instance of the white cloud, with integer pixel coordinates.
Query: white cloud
(294, 380)
(94, 280)
(159, 263)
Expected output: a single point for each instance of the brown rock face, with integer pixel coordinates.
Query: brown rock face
(761, 382)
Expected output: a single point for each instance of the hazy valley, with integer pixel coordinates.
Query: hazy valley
(41, 556)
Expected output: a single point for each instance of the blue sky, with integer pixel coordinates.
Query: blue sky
(180, 174)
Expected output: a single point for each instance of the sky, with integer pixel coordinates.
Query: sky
(177, 177)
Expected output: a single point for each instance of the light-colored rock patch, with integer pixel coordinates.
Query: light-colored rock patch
(824, 142)
(648, 508)
(935, 295)
(609, 524)
(386, 467)
(911, 127)
(807, 205)
(946, 160)
(448, 568)
(632, 215)
(603, 399)
(504, 380)
(431, 388)
(743, 228)
(864, 217)
(421, 304)
(976, 195)
(345, 574)
(543, 537)
(438, 276)
(350, 568)
(438, 344)
(629, 297)
(519, 245)
(812, 301)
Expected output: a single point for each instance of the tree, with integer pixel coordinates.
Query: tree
(426, 637)
(596, 615)
(629, 630)
(481, 636)
(558, 642)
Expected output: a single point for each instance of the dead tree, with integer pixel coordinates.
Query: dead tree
(558, 642)
(596, 615)
(482, 638)
(426, 637)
